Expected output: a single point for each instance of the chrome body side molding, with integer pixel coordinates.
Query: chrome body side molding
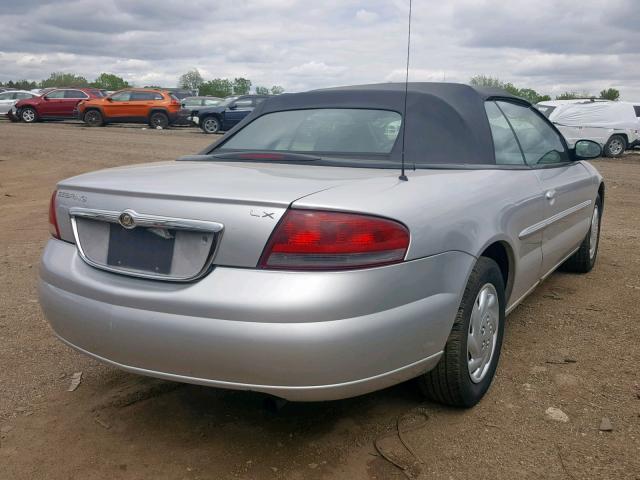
(548, 221)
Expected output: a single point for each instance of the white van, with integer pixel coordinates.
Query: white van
(614, 125)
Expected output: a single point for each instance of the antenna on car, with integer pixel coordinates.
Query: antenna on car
(406, 94)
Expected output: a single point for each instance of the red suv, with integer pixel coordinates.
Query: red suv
(56, 104)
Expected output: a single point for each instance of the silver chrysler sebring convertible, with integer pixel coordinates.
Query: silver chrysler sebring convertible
(333, 243)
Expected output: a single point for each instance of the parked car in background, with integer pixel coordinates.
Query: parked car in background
(56, 104)
(9, 98)
(42, 91)
(192, 102)
(289, 257)
(189, 103)
(181, 93)
(227, 114)
(636, 109)
(614, 125)
(158, 108)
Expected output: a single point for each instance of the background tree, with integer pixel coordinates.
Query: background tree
(484, 81)
(191, 80)
(610, 94)
(574, 96)
(527, 93)
(61, 79)
(20, 84)
(218, 87)
(275, 90)
(241, 86)
(109, 81)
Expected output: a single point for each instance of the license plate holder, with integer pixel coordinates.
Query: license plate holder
(140, 249)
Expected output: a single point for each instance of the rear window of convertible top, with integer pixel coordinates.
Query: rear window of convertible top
(322, 130)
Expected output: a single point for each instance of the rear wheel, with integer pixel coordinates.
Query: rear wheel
(615, 147)
(471, 354)
(585, 258)
(28, 115)
(159, 119)
(93, 118)
(210, 125)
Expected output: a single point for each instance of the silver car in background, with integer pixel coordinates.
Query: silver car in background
(10, 97)
(292, 258)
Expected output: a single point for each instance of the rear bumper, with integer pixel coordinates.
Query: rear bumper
(299, 336)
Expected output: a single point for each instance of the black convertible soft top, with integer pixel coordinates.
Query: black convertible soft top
(446, 122)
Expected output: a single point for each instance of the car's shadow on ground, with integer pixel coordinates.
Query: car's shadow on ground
(249, 426)
(202, 406)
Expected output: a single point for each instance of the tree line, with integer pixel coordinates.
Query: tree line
(106, 81)
(223, 87)
(534, 97)
(218, 87)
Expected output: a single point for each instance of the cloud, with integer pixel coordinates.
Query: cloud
(315, 68)
(366, 16)
(549, 45)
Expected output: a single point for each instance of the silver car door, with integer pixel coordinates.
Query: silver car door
(568, 193)
(567, 185)
(530, 205)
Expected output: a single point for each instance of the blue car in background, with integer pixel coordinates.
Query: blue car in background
(227, 114)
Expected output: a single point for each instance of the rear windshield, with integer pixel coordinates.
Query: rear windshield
(328, 130)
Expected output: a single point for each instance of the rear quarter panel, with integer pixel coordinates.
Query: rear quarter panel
(454, 210)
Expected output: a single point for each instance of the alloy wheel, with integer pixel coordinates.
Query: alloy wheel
(616, 146)
(211, 125)
(28, 115)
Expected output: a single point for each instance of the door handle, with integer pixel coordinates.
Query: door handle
(550, 195)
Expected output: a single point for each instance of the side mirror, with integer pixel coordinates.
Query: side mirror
(109, 99)
(45, 98)
(587, 150)
(233, 107)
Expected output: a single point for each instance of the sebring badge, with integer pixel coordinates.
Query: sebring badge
(126, 220)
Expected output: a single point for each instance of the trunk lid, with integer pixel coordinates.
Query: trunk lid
(247, 199)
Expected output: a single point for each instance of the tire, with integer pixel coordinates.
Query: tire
(158, 119)
(615, 146)
(93, 118)
(585, 258)
(28, 115)
(456, 381)
(210, 125)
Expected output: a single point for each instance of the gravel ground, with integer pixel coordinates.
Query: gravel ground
(572, 345)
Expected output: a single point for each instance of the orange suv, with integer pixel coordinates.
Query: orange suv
(144, 105)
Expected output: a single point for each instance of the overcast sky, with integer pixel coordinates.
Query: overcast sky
(549, 45)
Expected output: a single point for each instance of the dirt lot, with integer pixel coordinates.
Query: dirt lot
(120, 426)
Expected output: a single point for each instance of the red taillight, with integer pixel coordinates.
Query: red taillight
(53, 219)
(319, 240)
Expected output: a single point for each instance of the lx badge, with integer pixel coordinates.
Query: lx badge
(264, 214)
